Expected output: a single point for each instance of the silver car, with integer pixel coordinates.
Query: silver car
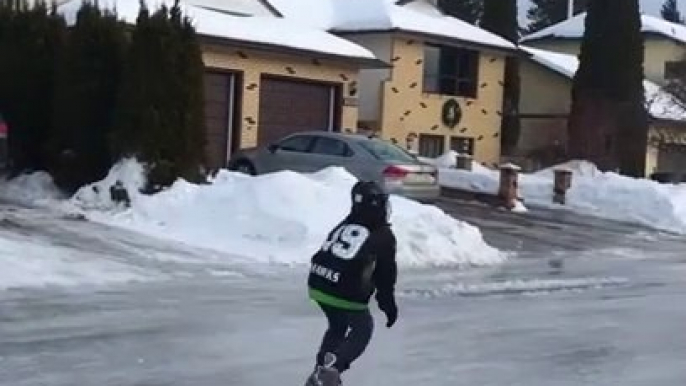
(367, 158)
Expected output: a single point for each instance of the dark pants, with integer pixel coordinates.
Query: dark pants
(347, 336)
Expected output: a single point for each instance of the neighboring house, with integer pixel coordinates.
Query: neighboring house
(445, 88)
(546, 78)
(266, 76)
(665, 44)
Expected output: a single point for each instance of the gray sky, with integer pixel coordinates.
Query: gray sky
(647, 6)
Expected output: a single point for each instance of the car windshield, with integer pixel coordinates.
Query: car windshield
(386, 151)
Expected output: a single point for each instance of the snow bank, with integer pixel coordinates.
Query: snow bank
(277, 218)
(601, 194)
(128, 172)
(30, 188)
(449, 160)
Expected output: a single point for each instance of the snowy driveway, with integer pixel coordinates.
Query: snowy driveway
(583, 303)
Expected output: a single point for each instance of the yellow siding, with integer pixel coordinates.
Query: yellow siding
(543, 92)
(651, 160)
(657, 51)
(406, 109)
(253, 63)
(564, 46)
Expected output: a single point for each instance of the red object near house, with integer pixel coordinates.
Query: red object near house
(4, 128)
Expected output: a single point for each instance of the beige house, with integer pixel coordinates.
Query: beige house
(401, 68)
(266, 76)
(444, 89)
(665, 44)
(544, 107)
(545, 104)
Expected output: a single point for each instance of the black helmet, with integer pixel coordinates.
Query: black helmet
(370, 203)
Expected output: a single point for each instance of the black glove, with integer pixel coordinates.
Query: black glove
(388, 306)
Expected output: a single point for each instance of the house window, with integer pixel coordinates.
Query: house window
(431, 145)
(675, 70)
(462, 145)
(451, 71)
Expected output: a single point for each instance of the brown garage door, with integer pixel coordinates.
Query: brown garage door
(219, 117)
(288, 106)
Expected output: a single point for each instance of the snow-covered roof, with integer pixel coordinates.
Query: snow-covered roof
(385, 15)
(574, 29)
(265, 30)
(237, 7)
(661, 104)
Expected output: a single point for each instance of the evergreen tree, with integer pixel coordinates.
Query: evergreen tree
(191, 97)
(89, 71)
(544, 13)
(467, 10)
(500, 17)
(608, 121)
(670, 12)
(162, 123)
(30, 39)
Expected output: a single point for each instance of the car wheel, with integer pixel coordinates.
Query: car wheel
(244, 166)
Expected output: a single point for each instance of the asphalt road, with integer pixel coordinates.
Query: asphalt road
(583, 302)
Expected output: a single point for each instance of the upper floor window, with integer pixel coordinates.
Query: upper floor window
(451, 71)
(675, 70)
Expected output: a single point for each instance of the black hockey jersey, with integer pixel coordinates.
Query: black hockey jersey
(352, 263)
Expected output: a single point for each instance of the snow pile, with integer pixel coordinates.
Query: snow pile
(128, 172)
(277, 218)
(449, 160)
(30, 188)
(601, 194)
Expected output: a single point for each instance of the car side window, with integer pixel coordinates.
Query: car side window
(332, 147)
(298, 143)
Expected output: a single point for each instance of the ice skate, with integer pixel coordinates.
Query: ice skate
(325, 375)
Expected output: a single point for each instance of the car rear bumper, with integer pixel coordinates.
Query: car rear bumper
(422, 193)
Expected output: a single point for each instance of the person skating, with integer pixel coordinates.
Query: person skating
(356, 260)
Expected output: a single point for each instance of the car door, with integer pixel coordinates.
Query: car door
(327, 152)
(290, 153)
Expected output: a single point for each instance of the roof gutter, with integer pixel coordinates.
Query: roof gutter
(362, 62)
(670, 121)
(553, 38)
(515, 51)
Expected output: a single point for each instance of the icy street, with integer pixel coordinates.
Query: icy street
(583, 302)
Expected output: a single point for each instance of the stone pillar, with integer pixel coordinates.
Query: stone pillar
(463, 161)
(563, 181)
(509, 185)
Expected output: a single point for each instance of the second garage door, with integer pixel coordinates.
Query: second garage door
(288, 106)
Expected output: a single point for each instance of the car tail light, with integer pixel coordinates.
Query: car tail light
(395, 172)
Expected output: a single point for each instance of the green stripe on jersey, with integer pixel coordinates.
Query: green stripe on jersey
(333, 301)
